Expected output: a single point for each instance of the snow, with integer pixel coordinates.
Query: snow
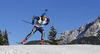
(50, 49)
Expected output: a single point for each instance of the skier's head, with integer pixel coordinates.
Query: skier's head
(43, 16)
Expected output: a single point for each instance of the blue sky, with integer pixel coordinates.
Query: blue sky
(64, 14)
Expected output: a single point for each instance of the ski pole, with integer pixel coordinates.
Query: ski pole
(27, 22)
(46, 10)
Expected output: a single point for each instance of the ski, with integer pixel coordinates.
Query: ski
(19, 43)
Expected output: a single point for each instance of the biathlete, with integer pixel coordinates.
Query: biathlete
(43, 20)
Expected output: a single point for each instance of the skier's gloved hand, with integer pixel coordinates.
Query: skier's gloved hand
(48, 20)
(46, 24)
(32, 23)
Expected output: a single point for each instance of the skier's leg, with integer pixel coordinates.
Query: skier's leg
(32, 32)
(42, 37)
(29, 35)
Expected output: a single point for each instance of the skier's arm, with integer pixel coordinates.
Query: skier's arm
(48, 20)
(34, 17)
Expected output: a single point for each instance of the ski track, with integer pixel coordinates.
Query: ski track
(50, 49)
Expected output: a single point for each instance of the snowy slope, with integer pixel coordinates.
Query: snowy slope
(50, 49)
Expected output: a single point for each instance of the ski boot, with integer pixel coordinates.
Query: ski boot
(23, 41)
(42, 42)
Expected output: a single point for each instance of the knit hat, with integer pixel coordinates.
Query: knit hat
(44, 14)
